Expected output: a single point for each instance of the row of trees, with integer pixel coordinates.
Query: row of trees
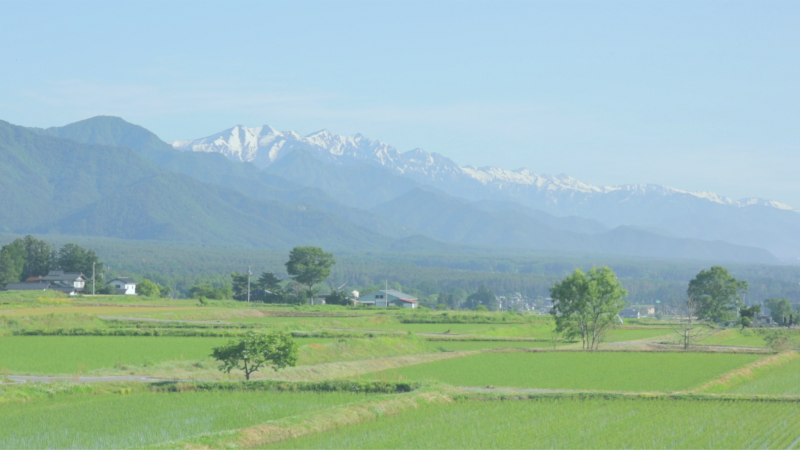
(29, 257)
(307, 267)
(586, 305)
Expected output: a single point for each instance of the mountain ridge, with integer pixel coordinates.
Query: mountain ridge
(750, 221)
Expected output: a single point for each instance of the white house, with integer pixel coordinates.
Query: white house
(388, 297)
(124, 285)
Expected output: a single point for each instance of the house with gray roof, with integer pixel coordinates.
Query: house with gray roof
(28, 286)
(389, 297)
(68, 282)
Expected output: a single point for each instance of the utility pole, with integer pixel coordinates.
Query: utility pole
(93, 280)
(249, 272)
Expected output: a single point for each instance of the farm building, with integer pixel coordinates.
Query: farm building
(28, 286)
(71, 283)
(388, 297)
(123, 285)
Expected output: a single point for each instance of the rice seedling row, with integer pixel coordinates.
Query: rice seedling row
(612, 371)
(572, 423)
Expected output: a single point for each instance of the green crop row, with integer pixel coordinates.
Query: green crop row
(609, 371)
(572, 423)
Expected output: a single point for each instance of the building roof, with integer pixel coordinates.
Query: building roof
(406, 300)
(29, 279)
(58, 275)
(125, 280)
(28, 286)
(398, 294)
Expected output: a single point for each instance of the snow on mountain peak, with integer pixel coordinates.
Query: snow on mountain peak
(264, 145)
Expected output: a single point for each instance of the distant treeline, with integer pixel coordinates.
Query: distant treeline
(425, 274)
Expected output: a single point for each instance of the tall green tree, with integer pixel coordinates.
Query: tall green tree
(309, 266)
(717, 294)
(586, 305)
(12, 262)
(779, 309)
(74, 258)
(239, 286)
(38, 257)
(482, 297)
(268, 288)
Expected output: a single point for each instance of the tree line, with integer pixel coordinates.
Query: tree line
(30, 257)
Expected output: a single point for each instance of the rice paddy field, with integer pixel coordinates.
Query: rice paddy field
(783, 380)
(604, 371)
(572, 424)
(146, 419)
(51, 355)
(533, 405)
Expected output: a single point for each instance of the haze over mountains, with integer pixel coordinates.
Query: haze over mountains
(701, 215)
(264, 189)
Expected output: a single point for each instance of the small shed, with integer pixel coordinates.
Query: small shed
(123, 285)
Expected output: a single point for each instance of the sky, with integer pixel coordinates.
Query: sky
(701, 96)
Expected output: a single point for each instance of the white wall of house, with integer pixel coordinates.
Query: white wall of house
(127, 289)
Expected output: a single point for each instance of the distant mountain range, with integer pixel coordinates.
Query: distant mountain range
(106, 177)
(699, 215)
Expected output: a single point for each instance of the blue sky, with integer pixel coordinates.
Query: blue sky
(693, 95)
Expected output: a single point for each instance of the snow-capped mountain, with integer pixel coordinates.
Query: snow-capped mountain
(264, 145)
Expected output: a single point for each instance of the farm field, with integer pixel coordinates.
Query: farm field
(605, 371)
(63, 310)
(37, 355)
(145, 419)
(453, 346)
(735, 338)
(60, 355)
(573, 423)
(783, 380)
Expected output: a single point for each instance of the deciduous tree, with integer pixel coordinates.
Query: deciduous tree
(255, 350)
(587, 304)
(779, 309)
(309, 266)
(717, 294)
(148, 289)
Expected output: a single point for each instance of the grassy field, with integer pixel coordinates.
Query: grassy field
(735, 338)
(452, 346)
(783, 380)
(146, 419)
(81, 354)
(88, 309)
(569, 423)
(50, 355)
(611, 371)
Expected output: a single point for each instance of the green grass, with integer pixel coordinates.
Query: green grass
(145, 419)
(573, 424)
(81, 354)
(783, 380)
(611, 371)
(634, 334)
(74, 354)
(736, 338)
(452, 346)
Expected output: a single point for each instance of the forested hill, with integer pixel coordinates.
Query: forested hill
(106, 177)
(56, 185)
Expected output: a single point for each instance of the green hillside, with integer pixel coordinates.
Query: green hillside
(55, 185)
